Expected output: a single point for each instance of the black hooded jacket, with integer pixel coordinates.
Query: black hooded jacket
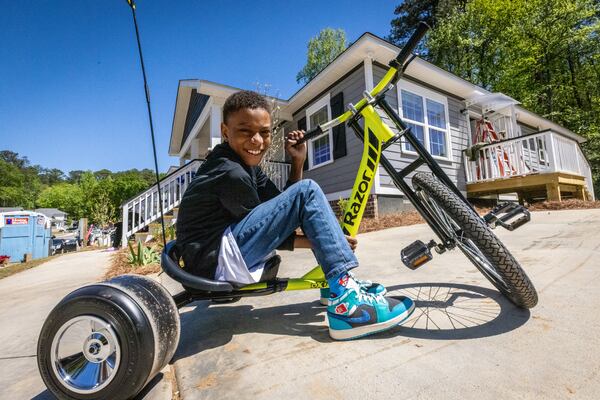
(223, 192)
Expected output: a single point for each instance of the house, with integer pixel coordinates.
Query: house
(57, 217)
(10, 209)
(486, 143)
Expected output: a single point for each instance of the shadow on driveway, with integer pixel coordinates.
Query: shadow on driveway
(443, 312)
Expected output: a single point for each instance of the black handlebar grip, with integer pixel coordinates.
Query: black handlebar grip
(410, 45)
(310, 134)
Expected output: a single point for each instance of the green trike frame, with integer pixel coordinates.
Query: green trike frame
(428, 197)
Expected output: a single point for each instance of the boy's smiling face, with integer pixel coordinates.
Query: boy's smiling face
(248, 131)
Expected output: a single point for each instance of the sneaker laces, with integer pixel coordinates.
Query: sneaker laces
(370, 298)
(362, 283)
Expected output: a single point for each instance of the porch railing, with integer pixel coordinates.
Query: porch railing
(278, 172)
(542, 152)
(142, 210)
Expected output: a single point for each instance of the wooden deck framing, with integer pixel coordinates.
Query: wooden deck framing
(553, 186)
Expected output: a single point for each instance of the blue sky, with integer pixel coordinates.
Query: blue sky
(71, 90)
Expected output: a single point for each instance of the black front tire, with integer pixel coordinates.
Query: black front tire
(476, 240)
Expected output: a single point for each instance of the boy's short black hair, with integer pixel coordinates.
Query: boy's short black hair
(244, 99)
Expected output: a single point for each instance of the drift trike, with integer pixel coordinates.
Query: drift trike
(108, 340)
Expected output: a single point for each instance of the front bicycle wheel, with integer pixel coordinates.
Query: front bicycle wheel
(474, 237)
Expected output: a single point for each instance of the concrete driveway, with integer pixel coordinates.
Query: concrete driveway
(25, 300)
(463, 342)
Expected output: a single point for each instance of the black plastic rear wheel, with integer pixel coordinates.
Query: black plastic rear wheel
(108, 340)
(476, 240)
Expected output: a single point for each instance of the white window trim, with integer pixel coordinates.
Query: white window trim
(322, 102)
(426, 94)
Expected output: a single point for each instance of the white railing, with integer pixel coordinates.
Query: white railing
(542, 152)
(278, 172)
(142, 210)
(505, 126)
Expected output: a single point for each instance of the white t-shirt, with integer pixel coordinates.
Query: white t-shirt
(232, 267)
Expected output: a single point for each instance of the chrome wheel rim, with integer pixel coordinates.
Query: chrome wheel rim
(465, 244)
(85, 354)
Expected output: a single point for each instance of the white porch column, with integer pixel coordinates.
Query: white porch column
(182, 161)
(215, 125)
(195, 150)
(368, 63)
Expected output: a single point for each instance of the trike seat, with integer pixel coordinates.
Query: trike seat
(170, 264)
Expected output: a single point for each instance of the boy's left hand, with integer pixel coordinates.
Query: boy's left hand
(297, 153)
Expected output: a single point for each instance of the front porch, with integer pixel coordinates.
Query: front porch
(544, 165)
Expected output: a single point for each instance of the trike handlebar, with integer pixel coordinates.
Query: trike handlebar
(311, 134)
(408, 48)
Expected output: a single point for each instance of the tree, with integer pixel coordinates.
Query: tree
(51, 176)
(19, 181)
(411, 12)
(102, 174)
(75, 176)
(322, 49)
(544, 53)
(13, 158)
(67, 197)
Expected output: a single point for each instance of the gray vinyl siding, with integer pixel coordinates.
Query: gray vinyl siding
(339, 175)
(459, 132)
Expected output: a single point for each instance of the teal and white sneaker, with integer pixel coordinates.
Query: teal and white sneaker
(366, 286)
(355, 314)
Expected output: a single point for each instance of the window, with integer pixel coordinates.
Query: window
(426, 113)
(320, 149)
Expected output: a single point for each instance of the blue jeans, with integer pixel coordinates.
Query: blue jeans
(302, 205)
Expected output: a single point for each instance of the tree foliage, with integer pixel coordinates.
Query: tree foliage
(19, 181)
(94, 195)
(544, 53)
(322, 49)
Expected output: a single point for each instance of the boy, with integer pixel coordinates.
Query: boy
(232, 217)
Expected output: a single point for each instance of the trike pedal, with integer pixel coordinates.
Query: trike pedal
(508, 215)
(416, 254)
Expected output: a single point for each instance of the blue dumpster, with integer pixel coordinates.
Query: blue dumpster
(24, 232)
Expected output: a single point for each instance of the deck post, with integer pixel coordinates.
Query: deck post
(553, 191)
(580, 193)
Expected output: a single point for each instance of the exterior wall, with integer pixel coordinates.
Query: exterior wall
(459, 132)
(339, 175)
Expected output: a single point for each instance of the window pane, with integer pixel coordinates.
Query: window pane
(437, 143)
(417, 131)
(412, 106)
(321, 152)
(436, 116)
(319, 117)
